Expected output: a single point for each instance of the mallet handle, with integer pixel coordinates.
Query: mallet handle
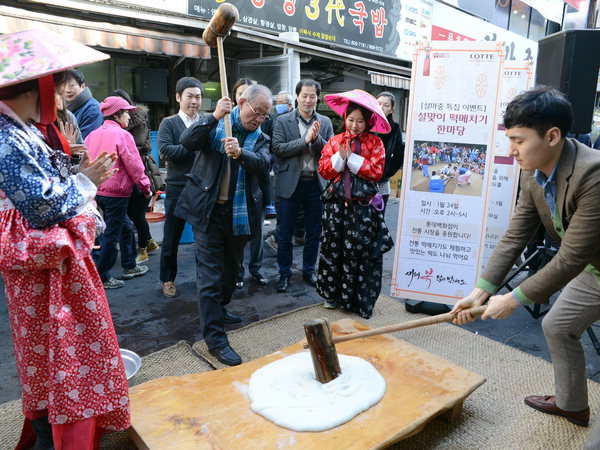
(405, 325)
(223, 79)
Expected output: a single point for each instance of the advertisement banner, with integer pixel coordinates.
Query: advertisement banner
(389, 27)
(515, 79)
(445, 190)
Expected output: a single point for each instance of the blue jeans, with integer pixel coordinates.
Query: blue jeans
(118, 230)
(307, 195)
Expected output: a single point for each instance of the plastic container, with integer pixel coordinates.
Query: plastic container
(187, 237)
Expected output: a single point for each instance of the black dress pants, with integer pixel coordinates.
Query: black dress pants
(173, 229)
(218, 257)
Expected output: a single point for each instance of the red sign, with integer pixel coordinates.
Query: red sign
(574, 3)
(442, 34)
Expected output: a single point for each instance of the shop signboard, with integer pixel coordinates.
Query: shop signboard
(388, 27)
(452, 117)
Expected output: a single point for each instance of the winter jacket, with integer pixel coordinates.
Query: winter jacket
(139, 129)
(112, 138)
(87, 111)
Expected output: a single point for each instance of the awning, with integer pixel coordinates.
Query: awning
(388, 80)
(106, 35)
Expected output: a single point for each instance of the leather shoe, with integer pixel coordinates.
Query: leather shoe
(229, 317)
(226, 355)
(283, 283)
(259, 278)
(547, 404)
(310, 278)
(169, 290)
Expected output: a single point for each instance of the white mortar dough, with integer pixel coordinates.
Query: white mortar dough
(286, 392)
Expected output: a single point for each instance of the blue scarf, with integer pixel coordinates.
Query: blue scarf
(247, 140)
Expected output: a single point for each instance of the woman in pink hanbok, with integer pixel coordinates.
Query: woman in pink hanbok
(72, 377)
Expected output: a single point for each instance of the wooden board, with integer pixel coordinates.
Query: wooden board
(211, 409)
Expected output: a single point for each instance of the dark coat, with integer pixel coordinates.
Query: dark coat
(87, 111)
(394, 150)
(139, 129)
(201, 191)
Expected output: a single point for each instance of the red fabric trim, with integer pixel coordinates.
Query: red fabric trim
(47, 99)
(54, 138)
(80, 435)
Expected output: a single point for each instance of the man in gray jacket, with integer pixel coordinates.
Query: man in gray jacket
(298, 138)
(559, 189)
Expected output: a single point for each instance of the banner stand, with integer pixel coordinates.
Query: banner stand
(423, 307)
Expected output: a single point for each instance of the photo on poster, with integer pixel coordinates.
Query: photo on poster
(448, 168)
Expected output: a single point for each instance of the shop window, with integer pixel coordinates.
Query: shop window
(519, 18)
(501, 13)
(537, 27)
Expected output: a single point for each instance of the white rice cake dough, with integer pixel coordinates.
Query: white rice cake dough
(287, 393)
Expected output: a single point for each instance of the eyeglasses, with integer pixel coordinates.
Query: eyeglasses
(258, 115)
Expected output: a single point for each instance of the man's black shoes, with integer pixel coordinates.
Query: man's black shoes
(260, 278)
(283, 283)
(229, 317)
(310, 278)
(226, 355)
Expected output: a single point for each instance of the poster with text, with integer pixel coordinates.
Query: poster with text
(445, 193)
(504, 180)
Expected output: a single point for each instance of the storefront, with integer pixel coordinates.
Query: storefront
(343, 44)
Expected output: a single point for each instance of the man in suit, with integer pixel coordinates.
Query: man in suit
(188, 93)
(222, 202)
(298, 138)
(559, 189)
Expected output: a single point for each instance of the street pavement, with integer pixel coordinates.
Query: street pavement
(146, 321)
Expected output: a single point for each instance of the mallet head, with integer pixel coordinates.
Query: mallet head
(221, 23)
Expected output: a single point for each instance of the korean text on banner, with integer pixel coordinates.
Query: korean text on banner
(445, 190)
(516, 77)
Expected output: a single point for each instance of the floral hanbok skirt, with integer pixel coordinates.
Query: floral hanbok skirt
(66, 348)
(353, 241)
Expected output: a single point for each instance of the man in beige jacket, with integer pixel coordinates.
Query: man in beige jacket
(560, 187)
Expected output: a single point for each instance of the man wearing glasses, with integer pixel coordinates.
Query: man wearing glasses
(298, 138)
(221, 200)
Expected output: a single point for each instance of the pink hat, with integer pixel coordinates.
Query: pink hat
(111, 105)
(339, 103)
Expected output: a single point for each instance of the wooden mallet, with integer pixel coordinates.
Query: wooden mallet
(322, 344)
(218, 29)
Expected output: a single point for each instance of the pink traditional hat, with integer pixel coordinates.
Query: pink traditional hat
(31, 54)
(111, 105)
(339, 103)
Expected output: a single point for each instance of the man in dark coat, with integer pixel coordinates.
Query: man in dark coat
(81, 103)
(222, 202)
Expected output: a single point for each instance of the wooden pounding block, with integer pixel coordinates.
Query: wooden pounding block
(211, 409)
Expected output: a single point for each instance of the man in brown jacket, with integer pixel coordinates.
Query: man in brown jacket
(560, 187)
